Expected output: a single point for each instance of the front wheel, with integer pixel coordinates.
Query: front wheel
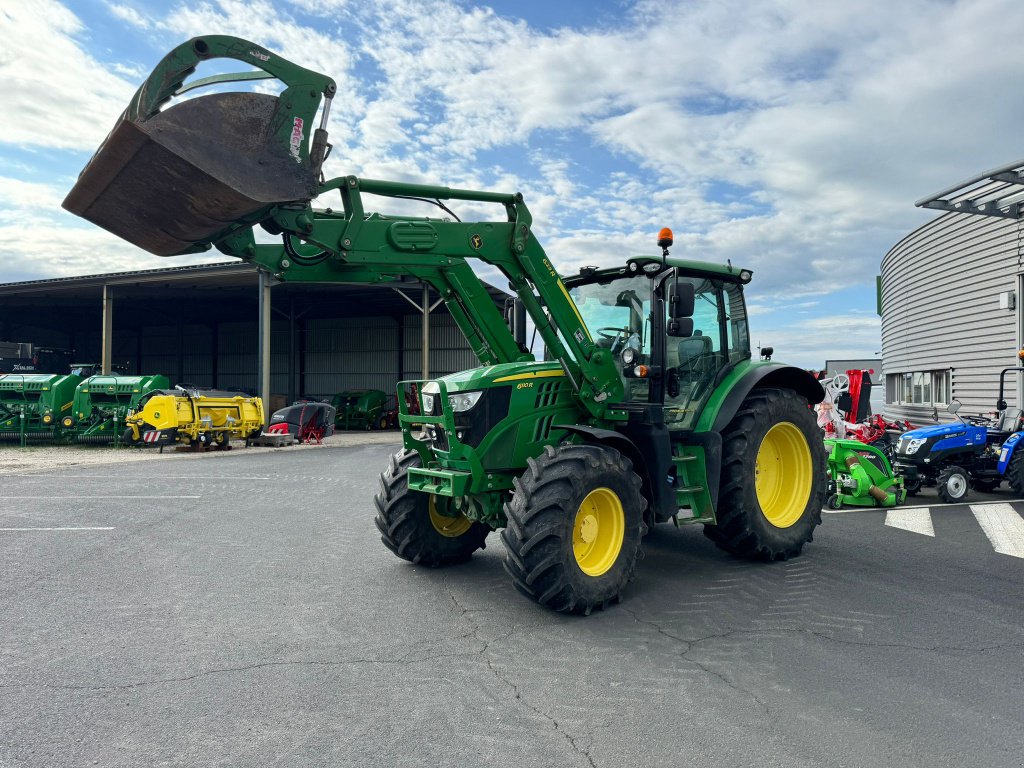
(912, 487)
(1015, 473)
(412, 523)
(952, 484)
(774, 478)
(574, 528)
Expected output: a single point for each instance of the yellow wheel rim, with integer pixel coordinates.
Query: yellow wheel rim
(451, 527)
(598, 531)
(783, 474)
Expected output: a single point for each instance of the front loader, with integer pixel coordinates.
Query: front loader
(647, 407)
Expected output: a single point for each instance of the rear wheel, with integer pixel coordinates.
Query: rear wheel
(574, 528)
(952, 484)
(774, 478)
(412, 525)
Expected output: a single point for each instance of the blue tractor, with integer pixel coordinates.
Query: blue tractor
(974, 452)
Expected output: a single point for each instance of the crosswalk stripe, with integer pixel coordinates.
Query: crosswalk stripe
(916, 520)
(1003, 526)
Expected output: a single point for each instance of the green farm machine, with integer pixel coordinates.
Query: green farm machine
(32, 404)
(360, 409)
(102, 403)
(647, 407)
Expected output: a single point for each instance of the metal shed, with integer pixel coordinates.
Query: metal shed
(202, 325)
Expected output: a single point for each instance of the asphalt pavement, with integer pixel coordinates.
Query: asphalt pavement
(243, 612)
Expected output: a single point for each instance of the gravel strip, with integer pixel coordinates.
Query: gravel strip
(15, 460)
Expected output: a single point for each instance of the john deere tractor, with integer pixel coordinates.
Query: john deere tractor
(647, 407)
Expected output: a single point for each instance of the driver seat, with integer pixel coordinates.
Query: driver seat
(693, 352)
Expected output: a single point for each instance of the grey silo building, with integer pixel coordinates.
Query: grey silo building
(950, 301)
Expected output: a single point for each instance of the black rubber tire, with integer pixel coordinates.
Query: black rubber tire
(221, 441)
(403, 519)
(834, 502)
(742, 529)
(912, 487)
(986, 484)
(949, 482)
(541, 517)
(382, 423)
(1015, 472)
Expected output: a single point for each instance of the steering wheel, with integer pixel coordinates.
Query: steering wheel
(978, 420)
(615, 332)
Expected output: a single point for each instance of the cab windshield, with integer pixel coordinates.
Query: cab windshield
(618, 315)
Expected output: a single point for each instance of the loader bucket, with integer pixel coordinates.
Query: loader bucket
(172, 182)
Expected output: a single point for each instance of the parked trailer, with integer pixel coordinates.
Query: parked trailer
(194, 417)
(31, 404)
(102, 404)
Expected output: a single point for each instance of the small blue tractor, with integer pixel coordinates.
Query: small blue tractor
(974, 452)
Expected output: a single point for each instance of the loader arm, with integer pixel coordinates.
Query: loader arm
(355, 247)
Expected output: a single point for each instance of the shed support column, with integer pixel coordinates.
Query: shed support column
(107, 342)
(426, 332)
(264, 344)
(424, 309)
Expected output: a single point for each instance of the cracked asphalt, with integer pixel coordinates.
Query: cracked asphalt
(240, 610)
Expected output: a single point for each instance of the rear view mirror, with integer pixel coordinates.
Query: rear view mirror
(954, 406)
(680, 310)
(680, 301)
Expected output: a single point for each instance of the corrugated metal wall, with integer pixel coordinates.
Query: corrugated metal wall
(351, 353)
(338, 354)
(940, 308)
(449, 351)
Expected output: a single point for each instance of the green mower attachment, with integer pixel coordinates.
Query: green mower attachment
(862, 476)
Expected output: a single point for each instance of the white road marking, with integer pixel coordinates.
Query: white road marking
(60, 529)
(1003, 526)
(62, 498)
(915, 520)
(161, 477)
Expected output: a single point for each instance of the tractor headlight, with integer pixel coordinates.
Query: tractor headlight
(628, 356)
(463, 401)
(912, 446)
(427, 395)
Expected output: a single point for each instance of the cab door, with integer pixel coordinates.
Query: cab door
(692, 363)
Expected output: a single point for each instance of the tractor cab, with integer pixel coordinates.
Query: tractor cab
(671, 326)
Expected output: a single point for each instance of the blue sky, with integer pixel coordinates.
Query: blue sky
(791, 136)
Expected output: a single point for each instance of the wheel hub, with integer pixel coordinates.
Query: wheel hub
(588, 529)
(598, 531)
(783, 474)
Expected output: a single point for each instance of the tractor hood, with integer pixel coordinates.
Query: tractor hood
(940, 437)
(506, 374)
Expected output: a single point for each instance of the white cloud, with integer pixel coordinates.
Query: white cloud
(130, 15)
(55, 94)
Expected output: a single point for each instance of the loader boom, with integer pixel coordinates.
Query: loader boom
(360, 247)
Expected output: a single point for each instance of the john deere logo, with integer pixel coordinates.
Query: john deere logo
(476, 241)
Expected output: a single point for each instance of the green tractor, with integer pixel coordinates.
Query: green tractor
(648, 407)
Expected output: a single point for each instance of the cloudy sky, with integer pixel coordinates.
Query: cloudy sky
(791, 137)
